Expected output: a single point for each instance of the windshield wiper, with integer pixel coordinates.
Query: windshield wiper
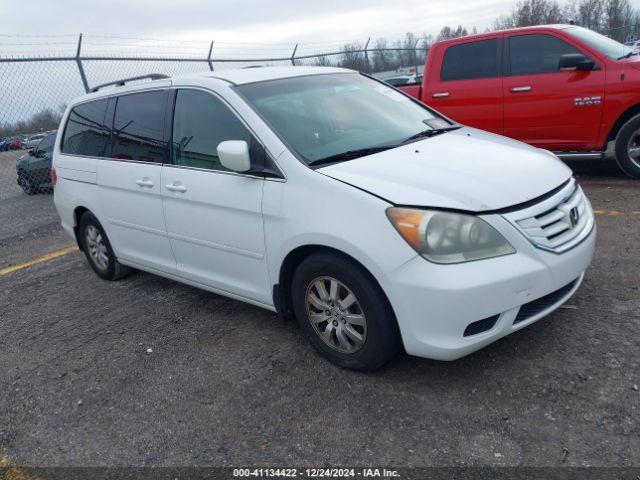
(431, 132)
(351, 154)
(363, 152)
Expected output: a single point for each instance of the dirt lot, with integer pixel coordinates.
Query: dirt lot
(230, 384)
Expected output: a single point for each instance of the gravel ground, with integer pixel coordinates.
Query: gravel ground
(230, 384)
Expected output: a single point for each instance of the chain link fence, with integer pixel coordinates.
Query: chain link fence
(43, 76)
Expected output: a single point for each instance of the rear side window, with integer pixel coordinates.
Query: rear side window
(87, 131)
(532, 54)
(46, 144)
(201, 121)
(471, 60)
(138, 127)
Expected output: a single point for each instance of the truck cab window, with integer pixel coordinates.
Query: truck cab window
(533, 54)
(471, 60)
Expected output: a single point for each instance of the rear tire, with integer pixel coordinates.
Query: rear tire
(627, 147)
(97, 249)
(343, 311)
(27, 185)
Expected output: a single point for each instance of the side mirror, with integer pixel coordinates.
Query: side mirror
(234, 155)
(575, 61)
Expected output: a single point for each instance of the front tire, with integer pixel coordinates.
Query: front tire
(344, 312)
(628, 147)
(98, 251)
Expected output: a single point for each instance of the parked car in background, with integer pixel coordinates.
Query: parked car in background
(33, 140)
(34, 168)
(10, 143)
(402, 80)
(15, 143)
(561, 87)
(329, 197)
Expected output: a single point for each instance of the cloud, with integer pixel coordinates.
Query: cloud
(249, 21)
(353, 24)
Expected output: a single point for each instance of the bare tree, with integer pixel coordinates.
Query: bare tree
(353, 57)
(615, 18)
(618, 15)
(447, 32)
(407, 52)
(47, 119)
(322, 61)
(532, 12)
(382, 59)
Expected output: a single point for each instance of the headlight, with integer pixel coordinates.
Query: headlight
(444, 237)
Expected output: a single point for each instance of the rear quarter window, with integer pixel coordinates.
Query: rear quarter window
(87, 131)
(46, 144)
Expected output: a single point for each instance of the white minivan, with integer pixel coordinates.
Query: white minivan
(329, 197)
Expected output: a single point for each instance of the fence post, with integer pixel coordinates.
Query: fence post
(209, 56)
(366, 55)
(293, 55)
(415, 56)
(83, 77)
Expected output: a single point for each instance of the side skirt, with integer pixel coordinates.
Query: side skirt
(201, 286)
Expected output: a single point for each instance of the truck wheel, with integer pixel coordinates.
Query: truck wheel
(628, 147)
(98, 251)
(344, 313)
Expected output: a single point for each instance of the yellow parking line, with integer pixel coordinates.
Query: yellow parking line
(14, 473)
(40, 259)
(615, 213)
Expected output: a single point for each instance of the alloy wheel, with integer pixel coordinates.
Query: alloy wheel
(336, 315)
(96, 247)
(633, 148)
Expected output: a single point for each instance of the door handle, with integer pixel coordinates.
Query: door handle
(145, 182)
(526, 88)
(176, 187)
(441, 95)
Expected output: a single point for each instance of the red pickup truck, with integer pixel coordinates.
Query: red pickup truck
(561, 87)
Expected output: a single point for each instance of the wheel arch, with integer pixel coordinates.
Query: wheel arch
(77, 214)
(622, 119)
(282, 290)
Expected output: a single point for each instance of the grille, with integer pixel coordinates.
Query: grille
(534, 307)
(557, 223)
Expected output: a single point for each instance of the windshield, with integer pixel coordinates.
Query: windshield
(323, 116)
(603, 44)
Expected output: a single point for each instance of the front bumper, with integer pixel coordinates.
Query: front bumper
(435, 304)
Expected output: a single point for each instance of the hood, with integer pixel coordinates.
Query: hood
(633, 62)
(466, 169)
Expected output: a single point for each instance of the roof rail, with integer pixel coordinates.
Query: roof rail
(121, 83)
